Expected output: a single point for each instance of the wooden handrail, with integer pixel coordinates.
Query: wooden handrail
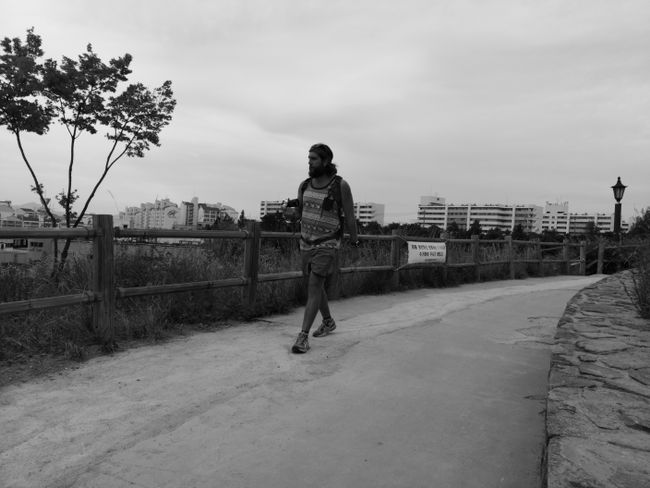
(104, 293)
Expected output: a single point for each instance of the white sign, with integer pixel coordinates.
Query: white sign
(427, 252)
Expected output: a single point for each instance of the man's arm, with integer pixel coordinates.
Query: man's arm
(293, 213)
(348, 210)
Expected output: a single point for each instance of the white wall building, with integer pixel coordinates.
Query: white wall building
(556, 217)
(581, 223)
(161, 214)
(197, 215)
(434, 211)
(366, 212)
(270, 207)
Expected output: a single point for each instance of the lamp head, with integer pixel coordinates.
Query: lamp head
(619, 189)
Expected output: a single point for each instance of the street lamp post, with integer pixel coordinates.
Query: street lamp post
(619, 189)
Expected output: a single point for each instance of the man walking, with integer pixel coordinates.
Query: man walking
(325, 206)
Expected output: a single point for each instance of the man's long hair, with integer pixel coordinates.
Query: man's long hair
(326, 154)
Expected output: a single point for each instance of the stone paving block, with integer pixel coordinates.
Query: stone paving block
(642, 375)
(574, 463)
(600, 371)
(602, 346)
(632, 359)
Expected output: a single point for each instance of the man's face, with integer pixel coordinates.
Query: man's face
(316, 165)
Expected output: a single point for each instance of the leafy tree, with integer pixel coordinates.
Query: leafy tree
(372, 228)
(435, 231)
(518, 233)
(241, 222)
(494, 234)
(592, 230)
(475, 228)
(223, 222)
(82, 95)
(388, 229)
(453, 229)
(273, 222)
(551, 235)
(641, 225)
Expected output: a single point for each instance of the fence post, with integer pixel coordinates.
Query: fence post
(394, 260)
(476, 257)
(601, 256)
(511, 257)
(565, 256)
(251, 262)
(540, 257)
(583, 258)
(103, 280)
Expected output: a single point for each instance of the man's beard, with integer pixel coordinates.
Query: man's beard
(315, 172)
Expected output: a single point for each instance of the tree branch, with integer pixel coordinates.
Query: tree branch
(90, 197)
(68, 203)
(107, 167)
(37, 184)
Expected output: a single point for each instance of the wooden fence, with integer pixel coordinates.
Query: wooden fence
(103, 292)
(608, 257)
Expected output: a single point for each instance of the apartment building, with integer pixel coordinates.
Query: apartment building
(433, 210)
(161, 214)
(197, 215)
(556, 217)
(28, 216)
(270, 207)
(366, 212)
(583, 223)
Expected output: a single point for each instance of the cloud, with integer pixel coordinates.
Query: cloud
(476, 101)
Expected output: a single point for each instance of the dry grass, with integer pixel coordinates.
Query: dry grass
(67, 332)
(641, 279)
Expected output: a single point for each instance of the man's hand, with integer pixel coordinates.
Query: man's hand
(290, 213)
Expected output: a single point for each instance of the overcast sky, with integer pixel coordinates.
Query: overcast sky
(516, 102)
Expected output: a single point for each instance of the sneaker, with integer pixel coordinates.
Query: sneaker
(325, 328)
(302, 343)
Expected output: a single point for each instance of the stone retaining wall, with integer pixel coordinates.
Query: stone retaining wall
(598, 405)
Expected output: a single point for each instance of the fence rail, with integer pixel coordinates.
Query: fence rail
(103, 293)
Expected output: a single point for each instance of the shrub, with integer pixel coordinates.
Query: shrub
(641, 281)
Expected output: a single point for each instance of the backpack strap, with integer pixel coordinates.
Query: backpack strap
(303, 187)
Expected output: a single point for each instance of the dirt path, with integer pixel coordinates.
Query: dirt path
(437, 387)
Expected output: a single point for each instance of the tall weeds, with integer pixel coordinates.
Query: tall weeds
(641, 282)
(68, 331)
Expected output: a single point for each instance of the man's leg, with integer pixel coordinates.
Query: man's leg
(317, 264)
(315, 298)
(324, 305)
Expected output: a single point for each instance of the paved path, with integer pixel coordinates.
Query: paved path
(430, 388)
